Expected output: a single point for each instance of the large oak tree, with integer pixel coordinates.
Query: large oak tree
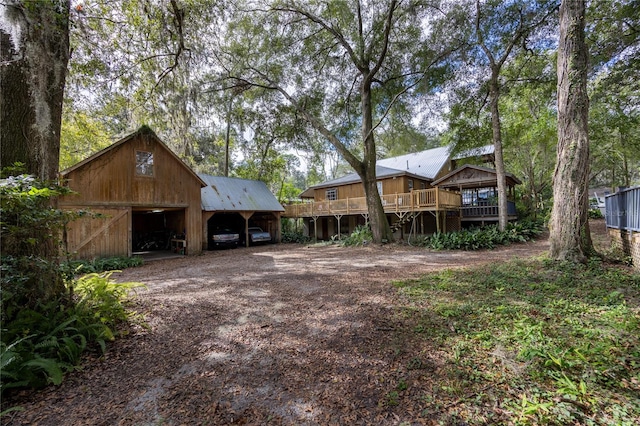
(342, 66)
(34, 54)
(501, 27)
(569, 237)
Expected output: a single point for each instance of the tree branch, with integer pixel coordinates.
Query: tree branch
(334, 32)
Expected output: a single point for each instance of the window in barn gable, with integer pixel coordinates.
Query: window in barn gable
(144, 163)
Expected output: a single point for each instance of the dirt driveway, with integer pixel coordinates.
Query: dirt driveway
(279, 334)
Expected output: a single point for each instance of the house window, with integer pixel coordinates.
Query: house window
(379, 184)
(144, 163)
(423, 185)
(410, 185)
(332, 194)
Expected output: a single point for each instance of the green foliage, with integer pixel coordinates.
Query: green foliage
(79, 267)
(483, 238)
(551, 343)
(46, 327)
(81, 136)
(29, 223)
(360, 236)
(39, 346)
(595, 214)
(30, 230)
(102, 299)
(294, 237)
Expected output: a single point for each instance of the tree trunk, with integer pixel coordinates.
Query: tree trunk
(497, 143)
(570, 238)
(32, 80)
(378, 219)
(227, 137)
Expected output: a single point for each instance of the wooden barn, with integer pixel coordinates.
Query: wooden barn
(147, 199)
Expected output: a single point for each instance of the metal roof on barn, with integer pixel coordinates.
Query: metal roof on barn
(236, 195)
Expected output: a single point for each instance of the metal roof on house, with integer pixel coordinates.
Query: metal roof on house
(235, 195)
(426, 164)
(381, 172)
(476, 152)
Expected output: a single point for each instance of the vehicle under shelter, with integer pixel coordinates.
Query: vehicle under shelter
(238, 204)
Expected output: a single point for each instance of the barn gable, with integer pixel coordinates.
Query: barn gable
(146, 193)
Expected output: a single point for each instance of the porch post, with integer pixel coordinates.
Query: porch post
(315, 228)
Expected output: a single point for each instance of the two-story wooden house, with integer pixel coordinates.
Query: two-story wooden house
(412, 201)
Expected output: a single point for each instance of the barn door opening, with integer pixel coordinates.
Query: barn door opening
(153, 230)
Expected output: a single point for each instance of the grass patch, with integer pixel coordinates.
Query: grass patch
(533, 342)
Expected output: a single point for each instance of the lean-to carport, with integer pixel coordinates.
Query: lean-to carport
(239, 203)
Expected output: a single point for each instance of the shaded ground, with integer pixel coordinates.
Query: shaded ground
(281, 334)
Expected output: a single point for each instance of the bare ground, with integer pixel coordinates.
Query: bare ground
(280, 334)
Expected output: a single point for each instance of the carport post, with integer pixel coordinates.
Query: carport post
(246, 216)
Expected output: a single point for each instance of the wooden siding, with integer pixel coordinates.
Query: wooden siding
(446, 169)
(109, 182)
(394, 185)
(470, 176)
(105, 236)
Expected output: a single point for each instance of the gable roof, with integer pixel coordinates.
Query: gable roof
(381, 172)
(236, 195)
(472, 181)
(426, 164)
(421, 165)
(144, 130)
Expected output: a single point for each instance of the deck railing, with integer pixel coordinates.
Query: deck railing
(417, 200)
(487, 210)
(622, 209)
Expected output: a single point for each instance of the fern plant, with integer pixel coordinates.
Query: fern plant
(359, 237)
(482, 238)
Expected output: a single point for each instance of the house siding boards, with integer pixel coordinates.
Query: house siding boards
(394, 185)
(471, 181)
(107, 183)
(469, 176)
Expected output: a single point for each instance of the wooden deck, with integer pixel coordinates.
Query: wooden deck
(432, 199)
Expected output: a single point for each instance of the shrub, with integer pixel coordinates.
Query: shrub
(39, 346)
(595, 214)
(359, 237)
(30, 243)
(483, 238)
(294, 237)
(46, 327)
(79, 267)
